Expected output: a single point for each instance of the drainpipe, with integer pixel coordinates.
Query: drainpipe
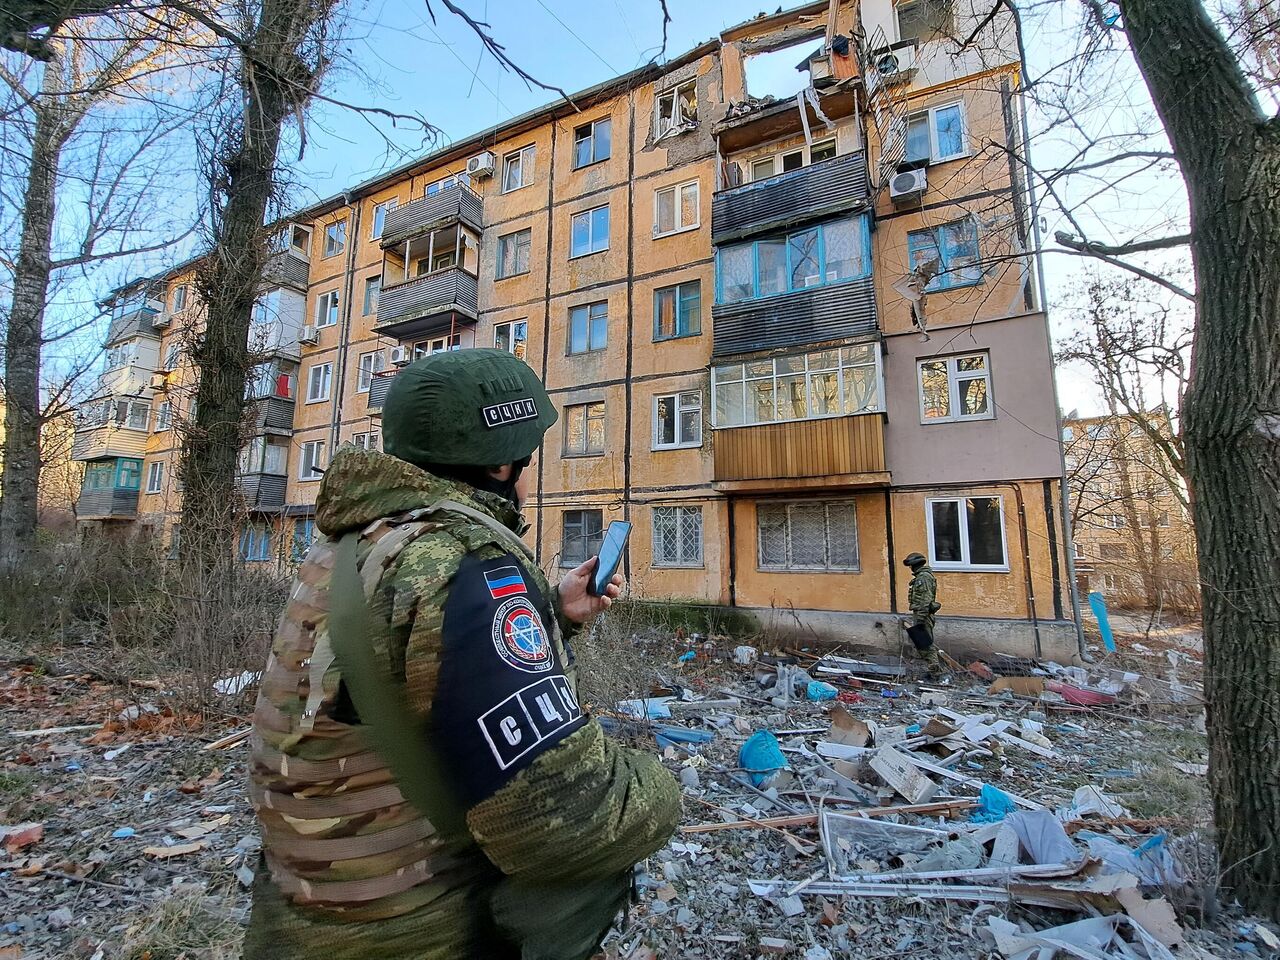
(344, 344)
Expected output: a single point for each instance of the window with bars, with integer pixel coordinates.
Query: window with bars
(808, 536)
(677, 536)
(677, 420)
(966, 533)
(956, 388)
(584, 429)
(581, 535)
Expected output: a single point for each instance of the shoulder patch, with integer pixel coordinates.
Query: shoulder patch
(520, 637)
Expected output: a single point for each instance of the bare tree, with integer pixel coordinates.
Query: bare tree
(51, 106)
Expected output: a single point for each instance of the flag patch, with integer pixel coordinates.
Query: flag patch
(504, 582)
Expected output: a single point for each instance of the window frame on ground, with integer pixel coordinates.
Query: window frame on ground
(588, 135)
(685, 526)
(328, 305)
(372, 291)
(795, 559)
(522, 162)
(589, 533)
(255, 542)
(379, 219)
(320, 374)
(778, 276)
(683, 110)
(595, 223)
(591, 415)
(311, 460)
(858, 386)
(516, 337)
(959, 259)
(588, 328)
(686, 310)
(949, 367)
(369, 365)
(677, 193)
(335, 238)
(683, 409)
(513, 243)
(155, 476)
(963, 541)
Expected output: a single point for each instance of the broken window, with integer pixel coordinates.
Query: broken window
(780, 73)
(678, 107)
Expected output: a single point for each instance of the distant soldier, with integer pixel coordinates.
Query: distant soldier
(428, 785)
(922, 598)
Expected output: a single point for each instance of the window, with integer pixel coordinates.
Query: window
(826, 383)
(455, 180)
(589, 327)
(259, 455)
(164, 413)
(966, 533)
(924, 20)
(677, 420)
(300, 239)
(380, 212)
(304, 533)
(955, 388)
(512, 337)
(179, 298)
(319, 380)
(327, 309)
(155, 476)
(311, 464)
(99, 476)
(1113, 521)
(675, 209)
(677, 311)
(139, 416)
(677, 108)
(951, 251)
(766, 167)
(822, 150)
(584, 429)
(371, 441)
(121, 355)
(255, 543)
(581, 535)
(592, 142)
(677, 536)
(425, 348)
(589, 232)
(370, 363)
(936, 135)
(517, 169)
(128, 474)
(335, 238)
(829, 253)
(372, 290)
(513, 253)
(807, 535)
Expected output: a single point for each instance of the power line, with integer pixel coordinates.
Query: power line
(614, 70)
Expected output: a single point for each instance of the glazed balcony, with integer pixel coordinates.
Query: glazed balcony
(107, 440)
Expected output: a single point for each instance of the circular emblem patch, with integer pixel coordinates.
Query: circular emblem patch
(520, 638)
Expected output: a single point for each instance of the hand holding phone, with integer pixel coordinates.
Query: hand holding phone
(609, 558)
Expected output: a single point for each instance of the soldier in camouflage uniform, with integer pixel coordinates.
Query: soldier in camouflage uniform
(922, 598)
(551, 815)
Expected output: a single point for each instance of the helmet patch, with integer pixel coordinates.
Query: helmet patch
(520, 638)
(501, 414)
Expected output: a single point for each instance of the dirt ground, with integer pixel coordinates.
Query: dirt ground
(141, 840)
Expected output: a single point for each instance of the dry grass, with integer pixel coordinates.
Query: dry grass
(185, 926)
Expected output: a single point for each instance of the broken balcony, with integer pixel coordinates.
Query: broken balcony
(809, 193)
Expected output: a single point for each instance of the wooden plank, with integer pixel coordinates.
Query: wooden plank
(895, 769)
(804, 819)
(967, 781)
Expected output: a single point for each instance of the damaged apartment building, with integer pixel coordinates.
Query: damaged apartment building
(782, 289)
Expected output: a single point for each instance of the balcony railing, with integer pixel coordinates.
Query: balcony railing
(286, 270)
(378, 388)
(261, 491)
(107, 503)
(810, 193)
(428, 303)
(819, 315)
(107, 440)
(438, 210)
(831, 452)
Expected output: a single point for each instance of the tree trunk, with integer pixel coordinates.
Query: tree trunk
(1230, 158)
(21, 478)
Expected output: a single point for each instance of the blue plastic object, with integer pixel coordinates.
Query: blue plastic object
(817, 690)
(123, 833)
(993, 805)
(761, 756)
(1099, 608)
(670, 736)
(688, 657)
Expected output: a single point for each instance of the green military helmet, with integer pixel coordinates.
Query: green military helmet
(914, 560)
(481, 407)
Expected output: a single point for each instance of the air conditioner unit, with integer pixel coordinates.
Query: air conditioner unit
(399, 356)
(908, 185)
(161, 320)
(889, 67)
(309, 334)
(481, 165)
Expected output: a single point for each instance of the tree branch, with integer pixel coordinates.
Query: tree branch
(1096, 248)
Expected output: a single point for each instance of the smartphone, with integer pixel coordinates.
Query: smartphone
(615, 539)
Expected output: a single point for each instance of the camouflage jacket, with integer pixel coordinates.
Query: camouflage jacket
(551, 805)
(922, 594)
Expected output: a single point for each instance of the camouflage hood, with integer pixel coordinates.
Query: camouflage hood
(362, 486)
